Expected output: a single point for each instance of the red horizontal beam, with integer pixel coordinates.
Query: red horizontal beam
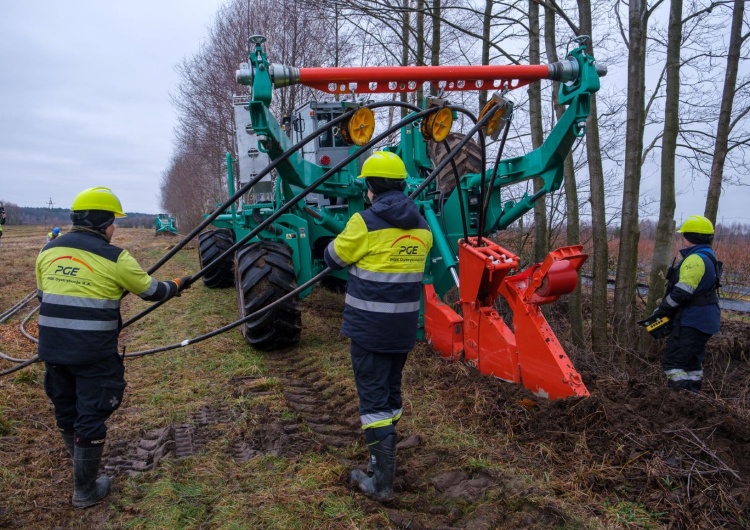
(384, 79)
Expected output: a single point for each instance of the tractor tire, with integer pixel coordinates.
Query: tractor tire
(264, 272)
(468, 160)
(211, 245)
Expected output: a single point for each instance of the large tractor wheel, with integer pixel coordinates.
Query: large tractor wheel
(264, 272)
(468, 160)
(213, 244)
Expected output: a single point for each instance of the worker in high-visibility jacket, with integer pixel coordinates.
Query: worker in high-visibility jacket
(2, 222)
(81, 278)
(54, 234)
(692, 303)
(385, 248)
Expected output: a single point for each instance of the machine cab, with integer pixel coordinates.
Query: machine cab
(328, 148)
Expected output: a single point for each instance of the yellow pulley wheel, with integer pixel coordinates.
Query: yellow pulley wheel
(437, 125)
(358, 129)
(492, 127)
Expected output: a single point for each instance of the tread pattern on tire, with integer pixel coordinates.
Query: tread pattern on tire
(264, 272)
(468, 160)
(212, 244)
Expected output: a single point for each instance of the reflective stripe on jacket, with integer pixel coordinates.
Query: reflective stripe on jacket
(385, 248)
(80, 280)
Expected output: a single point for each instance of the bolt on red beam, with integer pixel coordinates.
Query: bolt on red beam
(384, 79)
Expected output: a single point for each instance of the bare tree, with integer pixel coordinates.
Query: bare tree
(298, 35)
(541, 236)
(725, 122)
(665, 227)
(627, 263)
(573, 235)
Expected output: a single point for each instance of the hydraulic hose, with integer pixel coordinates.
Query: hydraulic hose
(291, 203)
(418, 114)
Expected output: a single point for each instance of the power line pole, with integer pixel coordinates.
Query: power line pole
(50, 204)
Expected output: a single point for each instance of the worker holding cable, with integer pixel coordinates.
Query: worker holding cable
(81, 278)
(385, 249)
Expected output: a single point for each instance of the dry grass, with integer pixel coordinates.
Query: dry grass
(274, 435)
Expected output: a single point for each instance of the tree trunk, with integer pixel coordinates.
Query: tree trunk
(541, 239)
(665, 226)
(572, 225)
(725, 114)
(486, 23)
(404, 96)
(436, 28)
(420, 37)
(627, 261)
(600, 258)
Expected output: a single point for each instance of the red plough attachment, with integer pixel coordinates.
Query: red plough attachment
(530, 353)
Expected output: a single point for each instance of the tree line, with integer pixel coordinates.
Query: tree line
(674, 106)
(60, 217)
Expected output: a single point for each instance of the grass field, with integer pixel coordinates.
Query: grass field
(216, 435)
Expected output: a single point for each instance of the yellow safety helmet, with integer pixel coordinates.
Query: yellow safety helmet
(383, 164)
(697, 224)
(98, 198)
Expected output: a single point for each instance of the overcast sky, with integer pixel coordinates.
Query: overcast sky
(84, 101)
(84, 95)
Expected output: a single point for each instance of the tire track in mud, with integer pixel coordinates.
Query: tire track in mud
(320, 414)
(175, 441)
(329, 409)
(325, 416)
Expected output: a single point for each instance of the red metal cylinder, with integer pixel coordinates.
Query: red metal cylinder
(383, 79)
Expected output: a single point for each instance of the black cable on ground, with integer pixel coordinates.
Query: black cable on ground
(201, 338)
(409, 119)
(16, 307)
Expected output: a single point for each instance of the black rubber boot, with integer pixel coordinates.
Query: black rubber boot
(87, 489)
(379, 486)
(680, 385)
(68, 441)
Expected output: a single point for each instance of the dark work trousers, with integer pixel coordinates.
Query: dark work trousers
(85, 395)
(685, 350)
(378, 380)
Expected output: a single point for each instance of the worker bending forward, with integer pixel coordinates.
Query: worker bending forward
(385, 248)
(692, 302)
(81, 278)
(54, 234)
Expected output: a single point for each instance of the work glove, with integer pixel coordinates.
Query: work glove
(182, 283)
(663, 310)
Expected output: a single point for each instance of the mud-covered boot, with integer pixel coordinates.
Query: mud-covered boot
(87, 488)
(379, 486)
(68, 441)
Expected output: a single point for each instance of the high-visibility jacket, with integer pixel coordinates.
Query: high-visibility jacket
(385, 248)
(81, 278)
(51, 236)
(692, 290)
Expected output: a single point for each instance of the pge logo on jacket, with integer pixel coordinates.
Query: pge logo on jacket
(63, 269)
(408, 248)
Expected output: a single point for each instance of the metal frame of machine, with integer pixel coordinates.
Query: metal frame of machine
(316, 191)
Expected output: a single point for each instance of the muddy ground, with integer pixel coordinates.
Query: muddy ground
(632, 455)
